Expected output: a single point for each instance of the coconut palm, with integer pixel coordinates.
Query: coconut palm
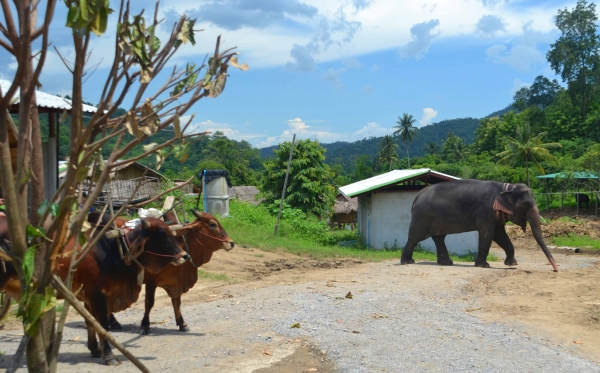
(406, 131)
(388, 151)
(432, 148)
(454, 148)
(525, 147)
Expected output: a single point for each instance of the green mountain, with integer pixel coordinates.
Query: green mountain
(346, 153)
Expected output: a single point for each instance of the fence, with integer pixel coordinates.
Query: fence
(549, 198)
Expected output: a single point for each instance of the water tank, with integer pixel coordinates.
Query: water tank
(216, 197)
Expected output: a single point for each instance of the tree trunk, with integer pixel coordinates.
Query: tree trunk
(527, 171)
(37, 166)
(407, 156)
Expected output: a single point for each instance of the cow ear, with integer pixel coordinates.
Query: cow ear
(504, 202)
(146, 224)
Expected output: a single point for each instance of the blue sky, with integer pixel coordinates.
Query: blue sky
(343, 70)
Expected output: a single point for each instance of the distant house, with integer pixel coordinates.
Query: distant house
(385, 209)
(127, 179)
(345, 210)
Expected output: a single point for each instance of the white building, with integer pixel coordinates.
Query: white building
(384, 209)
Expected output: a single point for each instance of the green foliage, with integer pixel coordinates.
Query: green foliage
(388, 153)
(406, 131)
(309, 187)
(574, 240)
(454, 149)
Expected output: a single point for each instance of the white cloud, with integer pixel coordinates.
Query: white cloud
(519, 57)
(266, 143)
(332, 76)
(428, 115)
(227, 129)
(372, 129)
(303, 131)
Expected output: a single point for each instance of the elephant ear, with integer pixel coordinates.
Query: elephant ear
(504, 203)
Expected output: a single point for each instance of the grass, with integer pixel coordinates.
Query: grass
(212, 276)
(253, 226)
(574, 240)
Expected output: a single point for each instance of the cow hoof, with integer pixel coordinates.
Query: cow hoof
(96, 352)
(407, 261)
(112, 361)
(482, 264)
(445, 262)
(184, 328)
(144, 330)
(510, 262)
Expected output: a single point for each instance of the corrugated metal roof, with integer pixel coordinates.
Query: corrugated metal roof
(389, 178)
(575, 175)
(47, 100)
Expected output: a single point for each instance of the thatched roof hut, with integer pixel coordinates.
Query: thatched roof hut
(345, 209)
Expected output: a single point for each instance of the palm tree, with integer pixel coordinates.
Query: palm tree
(525, 147)
(387, 150)
(406, 131)
(432, 148)
(454, 148)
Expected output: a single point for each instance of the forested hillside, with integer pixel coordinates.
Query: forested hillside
(436, 133)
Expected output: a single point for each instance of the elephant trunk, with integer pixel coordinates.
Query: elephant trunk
(533, 217)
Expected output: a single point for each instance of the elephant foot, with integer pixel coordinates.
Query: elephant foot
(111, 360)
(144, 330)
(482, 264)
(511, 261)
(445, 262)
(404, 261)
(184, 328)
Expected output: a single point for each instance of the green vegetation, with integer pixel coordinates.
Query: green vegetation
(574, 240)
(212, 276)
(388, 153)
(406, 131)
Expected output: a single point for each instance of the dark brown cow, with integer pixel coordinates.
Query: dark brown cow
(204, 236)
(108, 283)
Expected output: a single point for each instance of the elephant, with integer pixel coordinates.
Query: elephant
(473, 205)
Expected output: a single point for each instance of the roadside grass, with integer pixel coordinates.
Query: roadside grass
(253, 226)
(574, 240)
(212, 276)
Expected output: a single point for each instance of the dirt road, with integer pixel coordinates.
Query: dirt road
(421, 317)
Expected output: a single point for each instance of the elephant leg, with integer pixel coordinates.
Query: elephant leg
(501, 238)
(178, 316)
(483, 249)
(416, 234)
(149, 303)
(113, 322)
(443, 258)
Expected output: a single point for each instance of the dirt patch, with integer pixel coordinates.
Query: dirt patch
(270, 267)
(305, 359)
(565, 305)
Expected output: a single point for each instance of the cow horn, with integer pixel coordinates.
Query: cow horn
(197, 213)
(146, 224)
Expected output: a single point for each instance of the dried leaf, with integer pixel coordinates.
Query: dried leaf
(379, 316)
(184, 34)
(578, 342)
(355, 332)
(146, 75)
(312, 369)
(177, 125)
(234, 63)
(217, 86)
(76, 339)
(267, 353)
(131, 123)
(296, 325)
(149, 147)
(349, 295)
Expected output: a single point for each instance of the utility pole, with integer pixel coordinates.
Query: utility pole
(287, 174)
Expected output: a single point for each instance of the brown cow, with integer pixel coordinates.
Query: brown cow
(107, 282)
(204, 236)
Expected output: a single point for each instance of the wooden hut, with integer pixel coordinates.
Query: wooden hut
(345, 211)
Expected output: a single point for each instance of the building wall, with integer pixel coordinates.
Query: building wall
(386, 223)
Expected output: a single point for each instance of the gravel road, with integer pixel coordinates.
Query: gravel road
(414, 318)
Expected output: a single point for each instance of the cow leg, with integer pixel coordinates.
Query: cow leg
(113, 323)
(149, 303)
(100, 312)
(178, 317)
(92, 341)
